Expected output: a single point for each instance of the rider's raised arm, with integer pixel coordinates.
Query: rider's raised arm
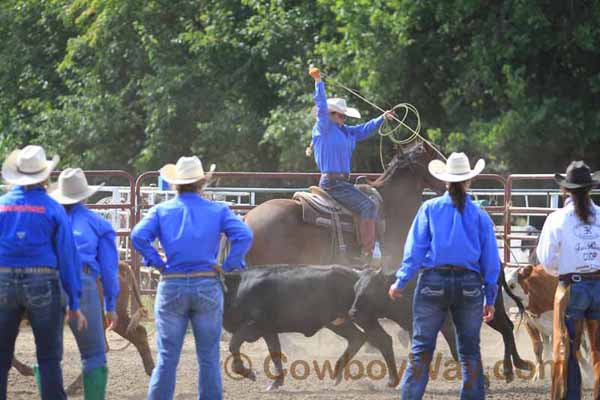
(320, 97)
(363, 131)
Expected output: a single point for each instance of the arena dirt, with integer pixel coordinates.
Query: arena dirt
(128, 381)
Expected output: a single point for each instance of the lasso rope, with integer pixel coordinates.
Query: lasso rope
(391, 134)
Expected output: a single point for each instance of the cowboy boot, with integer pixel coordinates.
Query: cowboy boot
(367, 239)
(94, 384)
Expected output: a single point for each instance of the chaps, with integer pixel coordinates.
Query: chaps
(560, 344)
(593, 328)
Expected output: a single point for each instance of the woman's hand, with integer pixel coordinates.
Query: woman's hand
(394, 292)
(78, 317)
(315, 73)
(113, 319)
(389, 115)
(488, 313)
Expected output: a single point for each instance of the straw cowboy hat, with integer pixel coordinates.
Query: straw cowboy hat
(456, 169)
(338, 105)
(578, 176)
(28, 166)
(187, 170)
(73, 187)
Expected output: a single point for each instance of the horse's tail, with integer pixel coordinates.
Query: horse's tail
(141, 311)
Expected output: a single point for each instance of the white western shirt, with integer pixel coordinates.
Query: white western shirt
(567, 245)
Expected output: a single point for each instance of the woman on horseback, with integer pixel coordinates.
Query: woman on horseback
(334, 142)
(95, 240)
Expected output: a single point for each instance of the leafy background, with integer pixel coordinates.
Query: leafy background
(132, 84)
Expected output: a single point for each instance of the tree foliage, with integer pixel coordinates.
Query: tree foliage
(133, 84)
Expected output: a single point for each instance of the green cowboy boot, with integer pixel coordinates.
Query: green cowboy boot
(38, 379)
(94, 384)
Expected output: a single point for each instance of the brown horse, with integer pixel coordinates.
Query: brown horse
(280, 236)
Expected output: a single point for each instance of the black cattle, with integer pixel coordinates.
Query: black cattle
(266, 301)
(372, 302)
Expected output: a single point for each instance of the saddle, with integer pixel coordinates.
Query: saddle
(320, 209)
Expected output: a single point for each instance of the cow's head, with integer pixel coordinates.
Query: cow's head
(517, 281)
(370, 294)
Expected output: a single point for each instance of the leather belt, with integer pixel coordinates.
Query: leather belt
(335, 175)
(29, 270)
(454, 268)
(202, 274)
(575, 277)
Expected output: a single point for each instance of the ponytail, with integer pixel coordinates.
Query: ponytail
(458, 193)
(583, 204)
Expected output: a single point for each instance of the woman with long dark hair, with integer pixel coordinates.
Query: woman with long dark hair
(452, 246)
(569, 247)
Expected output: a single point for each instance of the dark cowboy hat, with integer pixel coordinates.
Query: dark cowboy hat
(578, 176)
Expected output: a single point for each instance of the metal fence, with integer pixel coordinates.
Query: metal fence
(512, 207)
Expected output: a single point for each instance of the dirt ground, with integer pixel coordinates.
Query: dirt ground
(307, 376)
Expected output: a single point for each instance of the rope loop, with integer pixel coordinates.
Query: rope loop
(384, 132)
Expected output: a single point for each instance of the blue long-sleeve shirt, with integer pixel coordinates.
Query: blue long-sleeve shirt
(189, 228)
(333, 145)
(441, 235)
(95, 240)
(35, 232)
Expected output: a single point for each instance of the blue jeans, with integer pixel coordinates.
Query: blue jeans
(90, 341)
(178, 301)
(350, 197)
(39, 297)
(438, 292)
(584, 303)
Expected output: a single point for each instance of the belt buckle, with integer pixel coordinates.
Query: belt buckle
(576, 278)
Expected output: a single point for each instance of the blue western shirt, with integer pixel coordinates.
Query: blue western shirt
(95, 240)
(35, 232)
(189, 228)
(441, 235)
(333, 144)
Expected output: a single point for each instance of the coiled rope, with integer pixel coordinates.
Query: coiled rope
(384, 130)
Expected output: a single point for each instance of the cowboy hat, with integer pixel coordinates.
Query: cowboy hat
(72, 187)
(335, 104)
(28, 166)
(187, 170)
(456, 169)
(578, 175)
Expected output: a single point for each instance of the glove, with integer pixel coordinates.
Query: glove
(315, 73)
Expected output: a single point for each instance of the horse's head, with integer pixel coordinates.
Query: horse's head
(412, 161)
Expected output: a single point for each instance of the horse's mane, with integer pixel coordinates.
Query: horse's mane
(404, 158)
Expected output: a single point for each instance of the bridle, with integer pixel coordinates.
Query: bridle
(402, 159)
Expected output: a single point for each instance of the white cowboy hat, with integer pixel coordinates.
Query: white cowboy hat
(335, 104)
(28, 166)
(456, 169)
(187, 170)
(73, 187)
